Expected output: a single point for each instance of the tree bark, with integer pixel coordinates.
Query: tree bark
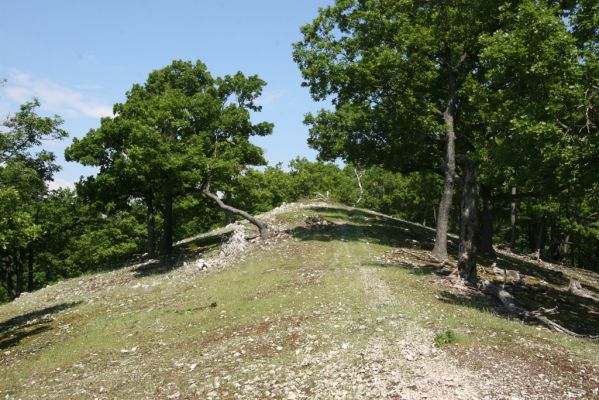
(151, 225)
(8, 282)
(455, 218)
(167, 234)
(19, 271)
(554, 243)
(360, 187)
(467, 248)
(486, 234)
(513, 220)
(30, 260)
(440, 249)
(565, 246)
(539, 239)
(262, 226)
(229, 202)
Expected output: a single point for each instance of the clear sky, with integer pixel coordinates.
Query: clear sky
(80, 57)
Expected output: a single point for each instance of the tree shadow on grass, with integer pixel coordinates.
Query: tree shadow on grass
(363, 217)
(10, 339)
(530, 268)
(15, 329)
(412, 269)
(349, 232)
(573, 312)
(475, 300)
(357, 225)
(33, 316)
(576, 313)
(188, 250)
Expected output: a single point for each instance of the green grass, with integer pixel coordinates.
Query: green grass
(301, 292)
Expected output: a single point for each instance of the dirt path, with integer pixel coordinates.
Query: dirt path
(408, 365)
(399, 361)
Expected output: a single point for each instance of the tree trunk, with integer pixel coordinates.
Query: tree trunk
(19, 271)
(167, 234)
(8, 282)
(531, 235)
(30, 260)
(359, 175)
(486, 234)
(229, 202)
(565, 250)
(554, 243)
(539, 239)
(440, 249)
(151, 225)
(455, 218)
(513, 220)
(467, 249)
(262, 227)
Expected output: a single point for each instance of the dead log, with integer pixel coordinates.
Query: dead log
(576, 289)
(506, 273)
(427, 259)
(509, 302)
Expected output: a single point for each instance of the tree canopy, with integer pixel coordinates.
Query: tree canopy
(415, 83)
(24, 173)
(183, 130)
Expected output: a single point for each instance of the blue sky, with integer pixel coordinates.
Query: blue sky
(80, 57)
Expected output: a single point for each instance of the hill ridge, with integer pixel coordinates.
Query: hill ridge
(330, 307)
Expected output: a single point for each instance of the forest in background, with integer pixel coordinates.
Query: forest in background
(491, 109)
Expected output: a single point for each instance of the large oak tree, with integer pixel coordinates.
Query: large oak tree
(182, 131)
(405, 79)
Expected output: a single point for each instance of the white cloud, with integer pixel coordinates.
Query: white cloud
(89, 86)
(53, 97)
(58, 183)
(269, 97)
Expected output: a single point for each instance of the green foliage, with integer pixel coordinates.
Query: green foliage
(527, 84)
(180, 131)
(117, 238)
(23, 190)
(445, 338)
(195, 215)
(526, 80)
(412, 196)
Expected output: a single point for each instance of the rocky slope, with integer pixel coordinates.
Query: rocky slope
(340, 304)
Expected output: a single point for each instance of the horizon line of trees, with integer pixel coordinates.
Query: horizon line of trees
(82, 235)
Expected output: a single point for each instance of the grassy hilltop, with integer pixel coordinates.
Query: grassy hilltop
(341, 303)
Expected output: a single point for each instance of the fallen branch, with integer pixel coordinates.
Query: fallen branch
(506, 298)
(262, 227)
(576, 289)
(509, 302)
(430, 259)
(321, 197)
(505, 273)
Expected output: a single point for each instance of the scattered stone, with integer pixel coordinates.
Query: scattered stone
(131, 350)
